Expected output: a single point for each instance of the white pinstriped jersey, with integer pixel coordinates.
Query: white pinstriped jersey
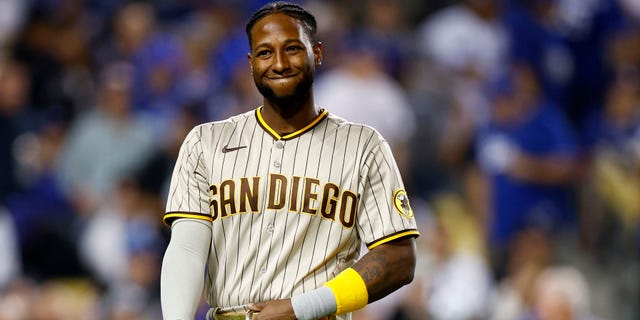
(287, 212)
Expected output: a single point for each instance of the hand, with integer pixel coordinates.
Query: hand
(497, 154)
(274, 310)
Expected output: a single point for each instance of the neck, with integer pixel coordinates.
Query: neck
(285, 117)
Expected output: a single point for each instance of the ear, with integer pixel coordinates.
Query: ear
(249, 59)
(317, 53)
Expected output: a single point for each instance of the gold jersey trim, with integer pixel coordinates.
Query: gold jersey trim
(265, 126)
(169, 217)
(397, 235)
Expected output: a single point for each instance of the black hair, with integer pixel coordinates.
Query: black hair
(287, 8)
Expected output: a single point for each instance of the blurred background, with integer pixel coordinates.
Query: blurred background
(515, 123)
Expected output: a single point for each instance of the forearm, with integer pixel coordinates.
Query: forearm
(387, 267)
(381, 271)
(181, 279)
(547, 170)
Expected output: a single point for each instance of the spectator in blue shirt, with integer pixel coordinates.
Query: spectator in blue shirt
(528, 153)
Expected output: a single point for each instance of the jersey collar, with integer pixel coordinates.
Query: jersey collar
(273, 133)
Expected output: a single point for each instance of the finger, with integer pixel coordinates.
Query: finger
(257, 306)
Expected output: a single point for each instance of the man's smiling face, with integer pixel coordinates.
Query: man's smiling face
(282, 58)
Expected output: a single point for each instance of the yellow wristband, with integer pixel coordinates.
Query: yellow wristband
(350, 291)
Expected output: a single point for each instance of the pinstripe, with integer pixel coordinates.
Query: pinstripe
(251, 287)
(304, 239)
(333, 150)
(180, 167)
(246, 170)
(298, 264)
(223, 223)
(293, 170)
(195, 179)
(214, 249)
(258, 163)
(235, 249)
(390, 167)
(384, 188)
(365, 209)
(273, 221)
(322, 145)
(377, 206)
(249, 263)
(222, 267)
(342, 166)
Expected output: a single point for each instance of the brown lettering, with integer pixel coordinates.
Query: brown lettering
(309, 195)
(213, 204)
(227, 198)
(277, 193)
(249, 194)
(329, 200)
(350, 200)
(293, 202)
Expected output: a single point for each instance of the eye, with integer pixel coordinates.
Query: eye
(263, 53)
(294, 48)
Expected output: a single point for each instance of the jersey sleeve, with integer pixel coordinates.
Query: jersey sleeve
(188, 195)
(385, 212)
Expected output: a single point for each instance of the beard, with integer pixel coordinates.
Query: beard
(300, 94)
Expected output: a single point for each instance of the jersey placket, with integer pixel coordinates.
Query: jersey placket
(275, 166)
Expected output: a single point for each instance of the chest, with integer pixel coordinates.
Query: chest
(316, 174)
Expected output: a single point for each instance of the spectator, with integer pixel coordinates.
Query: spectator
(528, 152)
(386, 22)
(121, 245)
(464, 45)
(529, 253)
(460, 268)
(535, 39)
(89, 166)
(14, 121)
(12, 18)
(611, 198)
(44, 218)
(467, 38)
(359, 89)
(10, 262)
(561, 292)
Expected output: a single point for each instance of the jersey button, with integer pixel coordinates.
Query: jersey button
(263, 269)
(279, 144)
(277, 163)
(270, 228)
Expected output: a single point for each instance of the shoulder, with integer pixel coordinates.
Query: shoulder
(343, 123)
(205, 133)
(226, 124)
(365, 133)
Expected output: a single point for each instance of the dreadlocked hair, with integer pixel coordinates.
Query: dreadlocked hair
(287, 8)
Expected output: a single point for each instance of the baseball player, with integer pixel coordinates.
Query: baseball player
(272, 205)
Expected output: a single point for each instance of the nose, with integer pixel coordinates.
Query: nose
(281, 62)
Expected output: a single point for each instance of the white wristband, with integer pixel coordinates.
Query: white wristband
(314, 304)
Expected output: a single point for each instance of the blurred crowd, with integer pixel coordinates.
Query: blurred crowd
(515, 123)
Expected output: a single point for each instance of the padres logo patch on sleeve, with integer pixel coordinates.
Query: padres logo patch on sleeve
(401, 202)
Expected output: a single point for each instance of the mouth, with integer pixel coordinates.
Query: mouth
(282, 77)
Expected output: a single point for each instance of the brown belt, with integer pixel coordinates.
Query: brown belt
(214, 314)
(249, 315)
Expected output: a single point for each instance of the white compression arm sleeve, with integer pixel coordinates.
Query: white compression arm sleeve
(182, 276)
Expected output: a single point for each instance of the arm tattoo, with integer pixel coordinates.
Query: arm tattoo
(373, 270)
(387, 268)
